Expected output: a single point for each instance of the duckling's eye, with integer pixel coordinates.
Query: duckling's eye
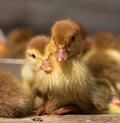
(33, 56)
(73, 38)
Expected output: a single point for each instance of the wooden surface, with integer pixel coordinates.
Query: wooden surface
(114, 118)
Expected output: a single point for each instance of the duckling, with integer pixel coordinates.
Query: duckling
(18, 39)
(70, 86)
(111, 96)
(36, 54)
(103, 60)
(13, 101)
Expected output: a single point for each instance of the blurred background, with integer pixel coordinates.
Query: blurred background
(39, 15)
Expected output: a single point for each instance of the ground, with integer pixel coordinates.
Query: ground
(111, 118)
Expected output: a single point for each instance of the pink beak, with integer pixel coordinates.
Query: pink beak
(46, 66)
(61, 55)
(115, 100)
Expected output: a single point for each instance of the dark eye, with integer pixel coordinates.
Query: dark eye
(73, 38)
(33, 55)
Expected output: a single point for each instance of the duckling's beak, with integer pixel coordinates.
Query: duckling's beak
(115, 100)
(46, 66)
(61, 55)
